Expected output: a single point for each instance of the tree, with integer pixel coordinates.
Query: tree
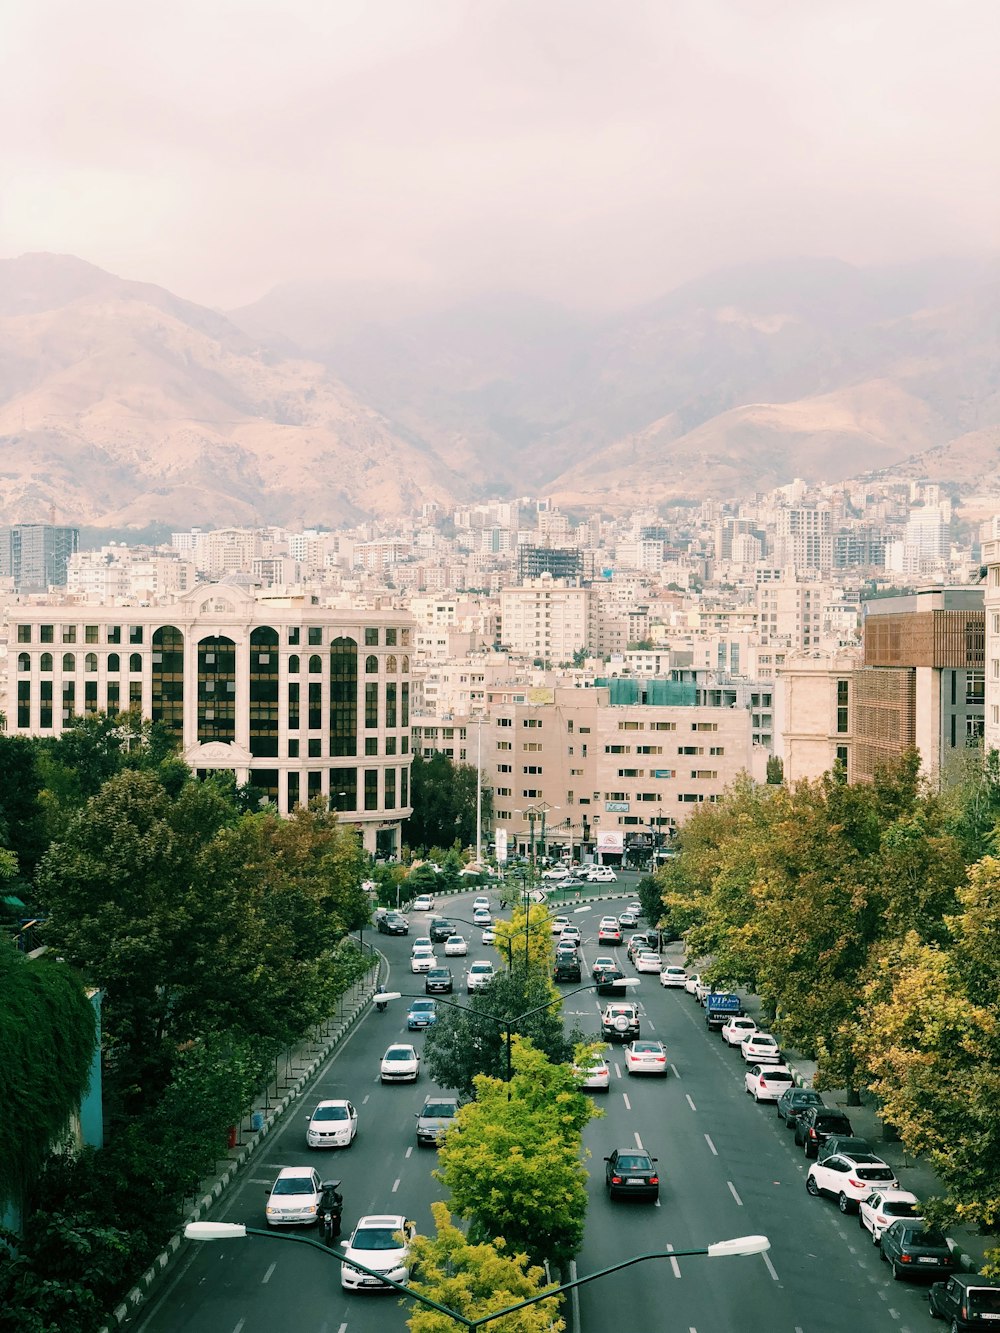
(527, 938)
(476, 1280)
(514, 1167)
(775, 770)
(443, 796)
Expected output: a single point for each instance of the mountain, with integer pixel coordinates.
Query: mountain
(121, 404)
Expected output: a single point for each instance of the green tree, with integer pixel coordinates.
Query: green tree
(443, 796)
(476, 1280)
(775, 770)
(22, 819)
(514, 1167)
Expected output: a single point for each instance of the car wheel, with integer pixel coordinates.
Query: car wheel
(845, 1204)
(811, 1186)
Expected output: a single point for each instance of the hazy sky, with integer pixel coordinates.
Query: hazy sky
(592, 152)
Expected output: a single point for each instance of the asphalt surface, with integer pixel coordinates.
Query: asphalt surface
(728, 1168)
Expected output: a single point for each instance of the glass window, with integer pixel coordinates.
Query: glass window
(24, 662)
(390, 704)
(216, 690)
(264, 692)
(390, 663)
(371, 705)
(343, 726)
(135, 662)
(843, 700)
(405, 665)
(45, 662)
(293, 705)
(371, 664)
(390, 638)
(293, 749)
(390, 789)
(114, 634)
(69, 662)
(404, 788)
(135, 634)
(315, 664)
(113, 663)
(315, 747)
(314, 719)
(371, 788)
(293, 634)
(47, 634)
(24, 633)
(371, 638)
(45, 704)
(69, 634)
(371, 745)
(315, 636)
(90, 662)
(293, 664)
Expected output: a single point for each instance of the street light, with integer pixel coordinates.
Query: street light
(739, 1245)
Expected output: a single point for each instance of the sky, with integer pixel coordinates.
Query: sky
(594, 154)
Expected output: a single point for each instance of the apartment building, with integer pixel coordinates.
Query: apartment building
(991, 615)
(543, 620)
(297, 699)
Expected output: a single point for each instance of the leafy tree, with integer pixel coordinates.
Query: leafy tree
(775, 770)
(443, 796)
(514, 1165)
(22, 823)
(527, 938)
(476, 1280)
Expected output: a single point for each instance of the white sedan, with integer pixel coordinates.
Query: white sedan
(400, 1064)
(595, 1075)
(293, 1198)
(380, 1243)
(455, 946)
(482, 917)
(736, 1030)
(766, 1083)
(333, 1124)
(692, 983)
(646, 1057)
(603, 875)
(559, 923)
(647, 962)
(422, 958)
(481, 904)
(883, 1207)
(760, 1048)
(423, 903)
(480, 974)
(489, 935)
(673, 976)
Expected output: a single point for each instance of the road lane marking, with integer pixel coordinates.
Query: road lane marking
(638, 1141)
(267, 1275)
(343, 1329)
(674, 1264)
(715, 1151)
(239, 1326)
(674, 1070)
(732, 1191)
(364, 1101)
(409, 1150)
(618, 1070)
(690, 1102)
(628, 1104)
(770, 1267)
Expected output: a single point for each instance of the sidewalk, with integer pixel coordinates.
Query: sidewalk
(294, 1072)
(913, 1173)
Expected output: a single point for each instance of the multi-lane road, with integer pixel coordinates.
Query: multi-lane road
(728, 1168)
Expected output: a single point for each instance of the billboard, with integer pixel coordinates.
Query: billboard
(500, 838)
(610, 840)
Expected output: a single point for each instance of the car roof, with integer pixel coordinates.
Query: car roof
(332, 1101)
(294, 1172)
(898, 1196)
(382, 1220)
(975, 1280)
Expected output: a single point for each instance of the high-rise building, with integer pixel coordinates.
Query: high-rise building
(35, 555)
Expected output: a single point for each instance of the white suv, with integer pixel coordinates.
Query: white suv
(620, 1020)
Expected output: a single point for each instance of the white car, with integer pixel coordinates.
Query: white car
(673, 976)
(455, 946)
(703, 990)
(422, 958)
(646, 1057)
(489, 935)
(884, 1206)
(628, 921)
(420, 941)
(570, 933)
(736, 1030)
(480, 974)
(481, 904)
(603, 875)
(333, 1124)
(400, 1064)
(481, 917)
(293, 1198)
(635, 907)
(556, 873)
(692, 983)
(760, 1048)
(611, 921)
(559, 924)
(851, 1177)
(380, 1242)
(766, 1083)
(595, 1075)
(647, 962)
(423, 903)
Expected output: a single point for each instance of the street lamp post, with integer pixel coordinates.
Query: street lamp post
(740, 1245)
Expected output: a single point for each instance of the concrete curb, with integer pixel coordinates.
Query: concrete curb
(126, 1311)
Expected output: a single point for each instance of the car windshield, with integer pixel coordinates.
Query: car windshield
(761, 1040)
(294, 1185)
(633, 1162)
(376, 1238)
(481, 967)
(984, 1301)
(647, 1048)
(830, 1124)
(807, 1099)
(422, 1007)
(399, 1053)
(442, 1110)
(874, 1173)
(330, 1113)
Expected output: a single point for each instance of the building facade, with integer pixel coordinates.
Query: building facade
(35, 555)
(298, 700)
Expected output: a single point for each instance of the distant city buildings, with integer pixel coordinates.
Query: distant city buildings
(34, 556)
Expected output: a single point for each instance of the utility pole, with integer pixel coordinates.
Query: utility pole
(479, 792)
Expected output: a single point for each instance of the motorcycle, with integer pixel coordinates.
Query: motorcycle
(330, 1211)
(380, 1005)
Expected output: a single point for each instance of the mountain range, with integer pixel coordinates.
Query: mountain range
(122, 405)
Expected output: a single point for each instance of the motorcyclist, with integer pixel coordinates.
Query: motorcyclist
(380, 1005)
(329, 1211)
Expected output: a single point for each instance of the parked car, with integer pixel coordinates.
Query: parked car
(882, 1207)
(455, 946)
(620, 1021)
(736, 1030)
(646, 1057)
(400, 1064)
(843, 1143)
(556, 873)
(815, 1124)
(760, 1048)
(672, 976)
(914, 1250)
(692, 983)
(333, 1124)
(631, 1172)
(439, 981)
(968, 1300)
(380, 1242)
(422, 1013)
(792, 1103)
(766, 1083)
(435, 1118)
(850, 1179)
(293, 1198)
(392, 923)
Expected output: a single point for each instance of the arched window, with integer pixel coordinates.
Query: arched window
(114, 664)
(23, 662)
(45, 662)
(371, 665)
(90, 662)
(69, 662)
(135, 662)
(390, 663)
(405, 668)
(315, 665)
(167, 702)
(293, 664)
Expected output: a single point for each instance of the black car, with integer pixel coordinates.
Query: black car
(607, 978)
(816, 1124)
(915, 1250)
(968, 1300)
(631, 1173)
(792, 1103)
(844, 1143)
(440, 929)
(567, 966)
(439, 981)
(393, 923)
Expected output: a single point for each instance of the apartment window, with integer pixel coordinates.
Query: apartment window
(995, 668)
(649, 749)
(617, 749)
(168, 678)
(45, 704)
(314, 714)
(371, 665)
(24, 635)
(293, 749)
(293, 635)
(390, 638)
(371, 745)
(531, 722)
(503, 745)
(315, 750)
(842, 755)
(343, 724)
(531, 746)
(293, 705)
(532, 768)
(505, 722)
(135, 663)
(314, 636)
(69, 634)
(47, 633)
(973, 730)
(90, 634)
(390, 704)
(584, 731)
(704, 726)
(690, 749)
(371, 705)
(371, 638)
(616, 795)
(690, 797)
(45, 662)
(135, 634)
(505, 768)
(531, 793)
(390, 780)
(371, 788)
(995, 619)
(717, 749)
(663, 726)
(629, 772)
(704, 773)
(842, 706)
(503, 791)
(69, 662)
(390, 744)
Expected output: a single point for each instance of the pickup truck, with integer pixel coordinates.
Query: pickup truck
(720, 1006)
